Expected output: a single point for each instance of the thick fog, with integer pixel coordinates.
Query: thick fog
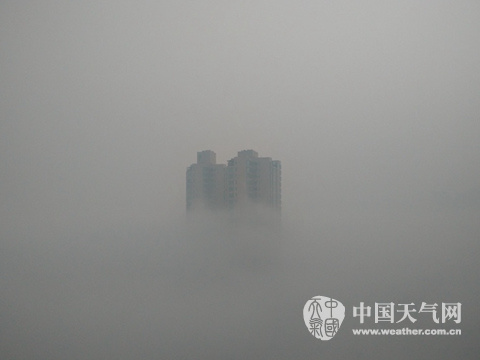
(373, 108)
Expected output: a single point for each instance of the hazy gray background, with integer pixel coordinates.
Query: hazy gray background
(373, 107)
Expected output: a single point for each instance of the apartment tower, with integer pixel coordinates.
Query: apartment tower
(205, 183)
(246, 180)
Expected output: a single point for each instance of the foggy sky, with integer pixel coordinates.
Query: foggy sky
(373, 108)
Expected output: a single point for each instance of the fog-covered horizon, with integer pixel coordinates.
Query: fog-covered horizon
(372, 108)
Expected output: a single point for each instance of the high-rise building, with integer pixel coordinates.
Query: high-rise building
(246, 180)
(205, 182)
(253, 180)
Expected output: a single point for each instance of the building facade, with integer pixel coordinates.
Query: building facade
(246, 180)
(205, 183)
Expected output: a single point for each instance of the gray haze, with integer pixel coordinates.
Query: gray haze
(373, 107)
